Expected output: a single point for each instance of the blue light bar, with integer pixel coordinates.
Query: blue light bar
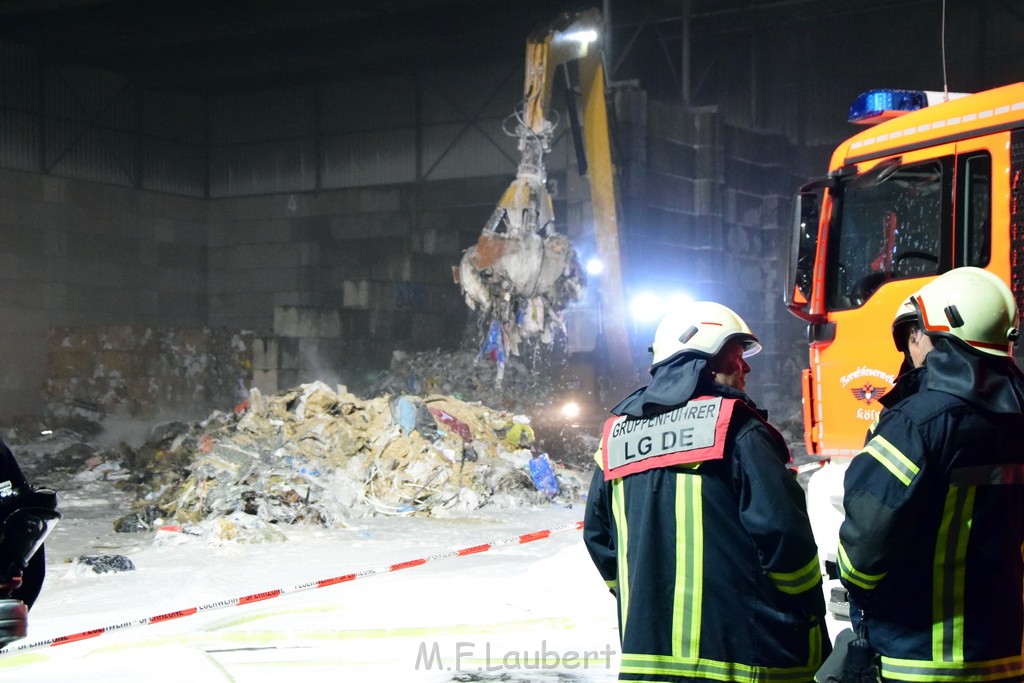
(881, 105)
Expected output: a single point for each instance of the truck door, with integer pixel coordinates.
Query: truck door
(983, 202)
(891, 228)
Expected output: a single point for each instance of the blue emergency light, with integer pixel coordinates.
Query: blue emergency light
(881, 105)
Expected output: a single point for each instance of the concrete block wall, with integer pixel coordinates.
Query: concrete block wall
(758, 188)
(305, 346)
(345, 276)
(706, 211)
(76, 253)
(676, 231)
(711, 216)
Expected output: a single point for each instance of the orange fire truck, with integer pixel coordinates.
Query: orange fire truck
(937, 182)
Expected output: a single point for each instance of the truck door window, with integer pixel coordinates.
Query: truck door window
(975, 220)
(888, 227)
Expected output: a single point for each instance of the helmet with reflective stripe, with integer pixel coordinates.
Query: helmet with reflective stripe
(970, 305)
(905, 315)
(702, 327)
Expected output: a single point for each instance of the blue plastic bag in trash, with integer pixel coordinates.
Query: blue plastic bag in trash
(405, 414)
(493, 345)
(543, 476)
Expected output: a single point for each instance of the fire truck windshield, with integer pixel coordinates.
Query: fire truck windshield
(887, 226)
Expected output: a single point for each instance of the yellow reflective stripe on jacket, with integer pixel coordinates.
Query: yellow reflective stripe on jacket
(815, 655)
(800, 581)
(689, 580)
(948, 575)
(621, 548)
(853, 575)
(892, 459)
(665, 665)
(1005, 669)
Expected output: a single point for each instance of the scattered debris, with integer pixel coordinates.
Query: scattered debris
(313, 455)
(101, 564)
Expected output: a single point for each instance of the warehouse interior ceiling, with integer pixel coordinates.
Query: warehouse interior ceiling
(216, 46)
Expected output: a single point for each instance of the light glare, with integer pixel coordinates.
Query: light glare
(646, 307)
(585, 36)
(678, 300)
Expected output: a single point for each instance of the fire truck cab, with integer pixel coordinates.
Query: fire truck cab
(936, 182)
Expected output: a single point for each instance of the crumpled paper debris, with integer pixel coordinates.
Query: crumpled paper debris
(313, 455)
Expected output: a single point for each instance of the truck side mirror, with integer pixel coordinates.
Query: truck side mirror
(803, 245)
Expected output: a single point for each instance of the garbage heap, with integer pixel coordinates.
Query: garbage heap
(313, 455)
(469, 376)
(466, 376)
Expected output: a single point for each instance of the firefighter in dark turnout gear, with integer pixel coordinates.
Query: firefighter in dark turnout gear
(931, 546)
(697, 526)
(908, 340)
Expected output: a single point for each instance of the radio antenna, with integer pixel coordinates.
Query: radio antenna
(945, 81)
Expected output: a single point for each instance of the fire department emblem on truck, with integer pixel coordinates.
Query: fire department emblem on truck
(867, 385)
(867, 393)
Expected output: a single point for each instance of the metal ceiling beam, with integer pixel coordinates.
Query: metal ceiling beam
(11, 7)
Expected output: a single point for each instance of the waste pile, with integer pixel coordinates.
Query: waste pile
(466, 376)
(313, 455)
(310, 455)
(470, 377)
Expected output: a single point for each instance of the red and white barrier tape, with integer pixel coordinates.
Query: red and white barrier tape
(267, 595)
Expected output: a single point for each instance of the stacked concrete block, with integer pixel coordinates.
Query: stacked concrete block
(356, 294)
(305, 346)
(710, 216)
(265, 364)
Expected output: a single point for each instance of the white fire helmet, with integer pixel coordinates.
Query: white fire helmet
(906, 313)
(703, 327)
(972, 305)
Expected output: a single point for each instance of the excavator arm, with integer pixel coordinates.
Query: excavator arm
(521, 275)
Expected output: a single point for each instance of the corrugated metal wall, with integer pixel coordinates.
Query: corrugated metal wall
(88, 124)
(436, 126)
(19, 108)
(174, 158)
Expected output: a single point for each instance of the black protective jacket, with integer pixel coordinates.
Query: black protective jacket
(931, 546)
(713, 564)
(907, 384)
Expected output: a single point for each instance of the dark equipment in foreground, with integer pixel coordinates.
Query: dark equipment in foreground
(28, 517)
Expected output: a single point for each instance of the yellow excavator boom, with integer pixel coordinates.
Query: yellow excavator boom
(522, 274)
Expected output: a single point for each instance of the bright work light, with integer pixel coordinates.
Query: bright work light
(571, 410)
(585, 36)
(649, 307)
(646, 307)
